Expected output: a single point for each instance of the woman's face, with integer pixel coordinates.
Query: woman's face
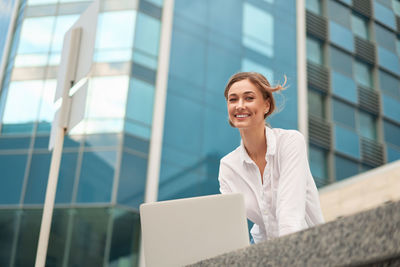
(246, 105)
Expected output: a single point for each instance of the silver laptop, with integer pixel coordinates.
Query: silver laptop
(185, 231)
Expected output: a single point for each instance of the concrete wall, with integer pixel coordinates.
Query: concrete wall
(361, 192)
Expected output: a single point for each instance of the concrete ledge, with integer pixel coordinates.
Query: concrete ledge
(370, 238)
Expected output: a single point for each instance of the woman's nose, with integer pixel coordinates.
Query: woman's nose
(240, 104)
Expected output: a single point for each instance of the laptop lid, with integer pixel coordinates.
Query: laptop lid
(184, 231)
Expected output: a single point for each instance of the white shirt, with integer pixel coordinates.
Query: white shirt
(287, 201)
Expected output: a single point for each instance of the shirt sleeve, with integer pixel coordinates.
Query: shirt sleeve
(291, 195)
(223, 186)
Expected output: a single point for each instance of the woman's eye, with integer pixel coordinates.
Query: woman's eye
(232, 100)
(249, 98)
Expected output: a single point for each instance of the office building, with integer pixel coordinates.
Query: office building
(352, 87)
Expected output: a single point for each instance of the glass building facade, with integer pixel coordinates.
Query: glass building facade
(353, 86)
(353, 101)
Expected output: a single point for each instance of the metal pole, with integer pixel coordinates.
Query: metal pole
(50, 196)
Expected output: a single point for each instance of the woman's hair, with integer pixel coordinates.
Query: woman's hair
(261, 83)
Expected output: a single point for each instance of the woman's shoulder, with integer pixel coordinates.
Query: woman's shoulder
(284, 136)
(232, 157)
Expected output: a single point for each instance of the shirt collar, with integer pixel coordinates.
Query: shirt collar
(271, 146)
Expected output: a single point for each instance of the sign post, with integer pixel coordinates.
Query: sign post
(76, 62)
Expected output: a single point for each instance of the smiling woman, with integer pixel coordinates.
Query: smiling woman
(270, 167)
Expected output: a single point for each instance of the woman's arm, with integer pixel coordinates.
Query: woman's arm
(223, 186)
(291, 195)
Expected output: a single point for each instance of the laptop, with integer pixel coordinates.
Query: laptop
(185, 231)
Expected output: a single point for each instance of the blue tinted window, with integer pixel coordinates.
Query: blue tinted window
(396, 7)
(359, 27)
(341, 61)
(391, 133)
(344, 87)
(343, 113)
(345, 168)
(102, 140)
(347, 142)
(388, 60)
(140, 101)
(366, 125)
(14, 142)
(38, 177)
(384, 15)
(341, 36)
(249, 65)
(188, 56)
(393, 153)
(318, 162)
(385, 38)
(181, 133)
(132, 180)
(391, 108)
(389, 84)
(147, 34)
(258, 30)
(314, 6)
(221, 64)
(225, 19)
(314, 51)
(12, 175)
(66, 178)
(96, 178)
(316, 104)
(339, 13)
(363, 74)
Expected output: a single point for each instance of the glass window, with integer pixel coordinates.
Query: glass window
(58, 235)
(28, 237)
(66, 177)
(147, 34)
(347, 141)
(341, 61)
(140, 101)
(188, 55)
(132, 180)
(115, 29)
(124, 249)
(32, 28)
(345, 168)
(38, 177)
(344, 87)
(359, 27)
(343, 113)
(249, 65)
(366, 125)
(106, 103)
(89, 236)
(97, 176)
(12, 176)
(396, 7)
(258, 30)
(385, 38)
(391, 108)
(393, 153)
(341, 36)
(8, 222)
(316, 104)
(339, 13)
(314, 6)
(389, 84)
(398, 46)
(314, 51)
(24, 94)
(384, 15)
(391, 133)
(41, 2)
(47, 110)
(388, 60)
(363, 75)
(318, 165)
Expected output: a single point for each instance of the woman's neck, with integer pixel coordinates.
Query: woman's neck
(254, 141)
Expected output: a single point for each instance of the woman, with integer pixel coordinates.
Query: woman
(270, 166)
